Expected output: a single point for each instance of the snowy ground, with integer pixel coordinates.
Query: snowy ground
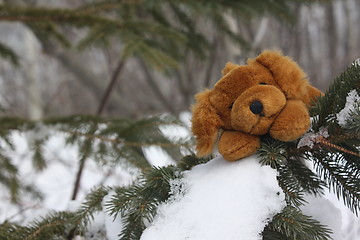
(56, 183)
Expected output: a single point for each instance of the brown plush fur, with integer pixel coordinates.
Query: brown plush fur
(273, 80)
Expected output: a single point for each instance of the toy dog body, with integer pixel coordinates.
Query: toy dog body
(268, 95)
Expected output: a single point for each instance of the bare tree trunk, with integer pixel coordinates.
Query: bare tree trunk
(32, 73)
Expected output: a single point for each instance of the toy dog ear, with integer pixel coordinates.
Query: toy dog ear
(228, 67)
(288, 75)
(205, 124)
(312, 94)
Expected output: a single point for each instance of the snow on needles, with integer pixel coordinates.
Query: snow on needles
(220, 200)
(310, 137)
(351, 100)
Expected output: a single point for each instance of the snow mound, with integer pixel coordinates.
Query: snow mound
(220, 200)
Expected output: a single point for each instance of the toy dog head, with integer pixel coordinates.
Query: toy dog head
(268, 95)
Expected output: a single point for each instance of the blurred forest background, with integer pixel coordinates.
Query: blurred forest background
(163, 53)
(84, 80)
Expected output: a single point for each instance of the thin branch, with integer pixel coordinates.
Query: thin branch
(110, 87)
(126, 143)
(78, 177)
(329, 144)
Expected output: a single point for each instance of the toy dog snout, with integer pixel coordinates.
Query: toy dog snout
(255, 109)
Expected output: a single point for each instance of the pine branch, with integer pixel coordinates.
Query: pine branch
(100, 6)
(50, 227)
(343, 181)
(6, 52)
(91, 205)
(334, 99)
(353, 124)
(139, 202)
(293, 191)
(62, 225)
(9, 177)
(54, 15)
(296, 226)
(269, 234)
(294, 177)
(336, 155)
(39, 162)
(189, 161)
(46, 30)
(107, 141)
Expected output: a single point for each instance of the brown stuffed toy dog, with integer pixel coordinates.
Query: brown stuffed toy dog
(269, 95)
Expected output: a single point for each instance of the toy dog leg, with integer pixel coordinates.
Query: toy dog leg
(292, 122)
(234, 145)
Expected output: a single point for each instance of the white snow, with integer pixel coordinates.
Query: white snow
(157, 157)
(310, 137)
(323, 210)
(356, 62)
(351, 100)
(221, 200)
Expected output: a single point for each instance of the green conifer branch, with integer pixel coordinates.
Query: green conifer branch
(139, 202)
(63, 225)
(294, 177)
(343, 181)
(39, 162)
(113, 141)
(6, 52)
(189, 161)
(269, 234)
(55, 15)
(91, 205)
(101, 6)
(52, 226)
(334, 100)
(46, 30)
(291, 187)
(297, 226)
(337, 156)
(9, 177)
(164, 36)
(353, 124)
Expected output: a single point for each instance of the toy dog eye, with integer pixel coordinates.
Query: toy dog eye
(230, 107)
(263, 83)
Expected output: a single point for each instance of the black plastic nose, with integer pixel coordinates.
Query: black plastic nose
(256, 107)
